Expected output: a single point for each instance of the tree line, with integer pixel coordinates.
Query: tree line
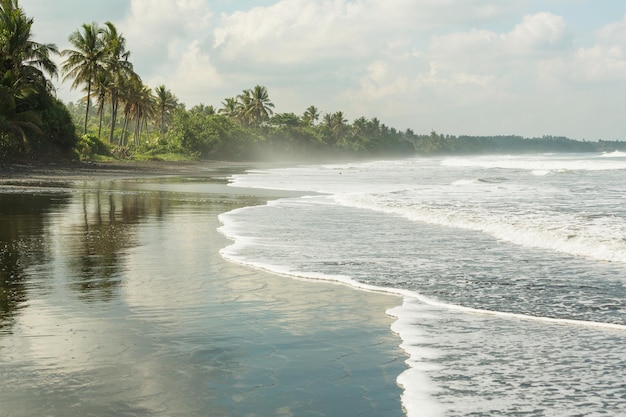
(119, 113)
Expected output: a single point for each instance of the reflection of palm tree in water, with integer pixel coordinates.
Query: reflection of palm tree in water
(22, 244)
(96, 247)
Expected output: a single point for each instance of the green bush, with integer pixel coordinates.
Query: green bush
(90, 145)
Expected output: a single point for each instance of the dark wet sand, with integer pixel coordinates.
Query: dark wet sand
(160, 324)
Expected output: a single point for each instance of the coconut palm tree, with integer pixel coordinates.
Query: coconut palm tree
(260, 107)
(101, 87)
(23, 68)
(359, 127)
(14, 123)
(118, 68)
(229, 107)
(130, 96)
(244, 103)
(311, 115)
(338, 124)
(143, 110)
(84, 63)
(165, 103)
(203, 109)
(27, 59)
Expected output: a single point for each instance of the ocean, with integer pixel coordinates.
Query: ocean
(512, 270)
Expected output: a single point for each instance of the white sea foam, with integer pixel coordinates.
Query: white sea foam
(599, 238)
(555, 212)
(419, 396)
(614, 154)
(538, 164)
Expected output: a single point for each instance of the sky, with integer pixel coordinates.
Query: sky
(474, 67)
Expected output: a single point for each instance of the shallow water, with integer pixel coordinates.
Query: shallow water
(115, 301)
(513, 270)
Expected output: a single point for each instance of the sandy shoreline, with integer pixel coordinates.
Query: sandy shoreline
(113, 170)
(225, 340)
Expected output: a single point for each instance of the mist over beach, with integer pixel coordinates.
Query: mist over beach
(312, 208)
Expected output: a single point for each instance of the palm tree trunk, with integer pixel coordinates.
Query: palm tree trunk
(113, 118)
(137, 133)
(124, 127)
(162, 124)
(101, 111)
(88, 105)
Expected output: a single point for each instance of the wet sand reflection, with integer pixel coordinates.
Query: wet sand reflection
(115, 301)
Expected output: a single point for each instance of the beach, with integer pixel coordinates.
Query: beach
(116, 301)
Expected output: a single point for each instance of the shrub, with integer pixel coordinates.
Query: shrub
(90, 145)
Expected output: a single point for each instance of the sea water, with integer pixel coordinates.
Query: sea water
(512, 270)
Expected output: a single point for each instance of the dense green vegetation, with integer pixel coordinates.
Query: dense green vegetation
(31, 118)
(121, 117)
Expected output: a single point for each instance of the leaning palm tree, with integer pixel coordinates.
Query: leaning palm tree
(23, 62)
(85, 62)
(165, 105)
(23, 68)
(29, 59)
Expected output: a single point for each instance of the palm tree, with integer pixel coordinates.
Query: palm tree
(23, 67)
(338, 123)
(229, 107)
(165, 105)
(203, 109)
(27, 58)
(311, 115)
(117, 66)
(143, 110)
(260, 106)
(85, 62)
(131, 95)
(359, 126)
(13, 122)
(101, 87)
(244, 103)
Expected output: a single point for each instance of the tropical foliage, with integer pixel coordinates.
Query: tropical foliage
(30, 117)
(119, 115)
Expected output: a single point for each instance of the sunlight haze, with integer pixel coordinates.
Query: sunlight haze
(477, 67)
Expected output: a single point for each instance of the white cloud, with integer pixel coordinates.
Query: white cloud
(606, 60)
(474, 64)
(476, 58)
(195, 77)
(153, 23)
(600, 63)
(536, 32)
(291, 31)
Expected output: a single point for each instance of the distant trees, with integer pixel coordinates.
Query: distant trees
(311, 115)
(245, 126)
(251, 108)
